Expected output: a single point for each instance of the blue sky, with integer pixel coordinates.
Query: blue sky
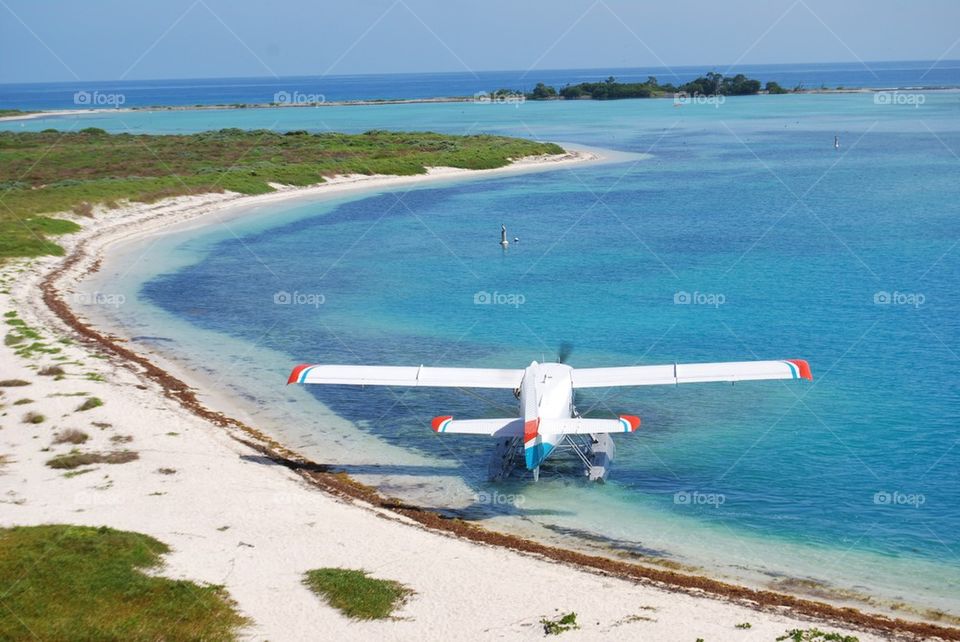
(64, 40)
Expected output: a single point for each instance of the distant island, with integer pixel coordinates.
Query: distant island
(711, 84)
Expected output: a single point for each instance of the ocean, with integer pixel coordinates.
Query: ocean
(226, 91)
(738, 232)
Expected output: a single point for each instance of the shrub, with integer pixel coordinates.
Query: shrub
(71, 436)
(90, 404)
(52, 371)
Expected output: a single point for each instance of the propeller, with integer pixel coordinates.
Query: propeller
(563, 355)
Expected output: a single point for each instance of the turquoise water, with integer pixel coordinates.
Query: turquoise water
(792, 246)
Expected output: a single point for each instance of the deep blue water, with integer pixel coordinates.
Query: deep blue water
(215, 91)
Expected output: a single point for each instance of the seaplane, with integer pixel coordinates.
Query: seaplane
(548, 420)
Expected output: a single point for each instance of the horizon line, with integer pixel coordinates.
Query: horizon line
(669, 70)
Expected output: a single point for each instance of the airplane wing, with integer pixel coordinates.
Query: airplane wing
(582, 426)
(513, 426)
(690, 373)
(507, 427)
(407, 376)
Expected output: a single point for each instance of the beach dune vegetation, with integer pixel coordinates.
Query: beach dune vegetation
(50, 172)
(68, 582)
(356, 594)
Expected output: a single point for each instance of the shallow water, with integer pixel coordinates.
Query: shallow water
(786, 246)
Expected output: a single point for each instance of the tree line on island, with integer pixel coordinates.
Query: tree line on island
(711, 84)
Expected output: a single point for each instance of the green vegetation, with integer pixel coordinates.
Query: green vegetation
(775, 88)
(80, 583)
(744, 625)
(355, 594)
(33, 418)
(75, 459)
(22, 402)
(711, 84)
(49, 172)
(52, 371)
(560, 625)
(90, 404)
(12, 383)
(71, 436)
(25, 341)
(815, 635)
(6, 113)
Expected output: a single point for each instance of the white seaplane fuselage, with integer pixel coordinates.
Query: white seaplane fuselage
(546, 392)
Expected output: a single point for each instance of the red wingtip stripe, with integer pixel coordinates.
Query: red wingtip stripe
(438, 421)
(633, 420)
(295, 375)
(803, 367)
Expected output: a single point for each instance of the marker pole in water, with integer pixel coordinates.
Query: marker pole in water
(504, 243)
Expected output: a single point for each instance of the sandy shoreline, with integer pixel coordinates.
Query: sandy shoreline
(228, 471)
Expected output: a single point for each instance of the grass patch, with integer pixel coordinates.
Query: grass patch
(22, 402)
(33, 418)
(121, 439)
(560, 625)
(167, 471)
(90, 404)
(81, 583)
(76, 473)
(75, 459)
(71, 436)
(49, 172)
(13, 383)
(355, 594)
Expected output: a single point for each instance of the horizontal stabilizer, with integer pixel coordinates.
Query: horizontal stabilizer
(690, 373)
(581, 426)
(507, 427)
(407, 376)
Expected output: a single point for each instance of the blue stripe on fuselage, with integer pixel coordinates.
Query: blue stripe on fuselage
(536, 453)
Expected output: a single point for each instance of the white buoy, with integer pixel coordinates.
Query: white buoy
(504, 243)
(836, 142)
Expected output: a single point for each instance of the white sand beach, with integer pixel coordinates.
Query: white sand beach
(235, 517)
